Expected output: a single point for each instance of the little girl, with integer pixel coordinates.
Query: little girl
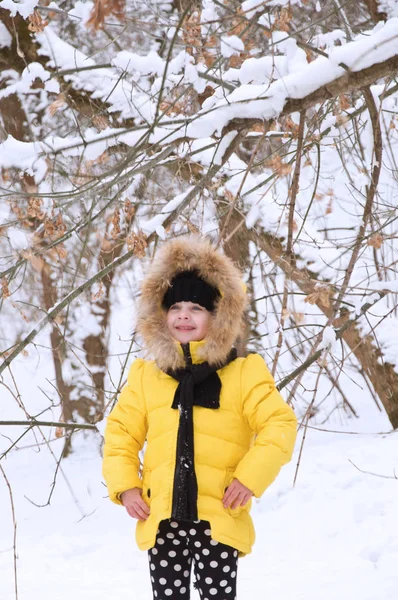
(217, 429)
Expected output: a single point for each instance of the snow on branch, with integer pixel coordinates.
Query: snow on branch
(349, 67)
(352, 66)
(24, 8)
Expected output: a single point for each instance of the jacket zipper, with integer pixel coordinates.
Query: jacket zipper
(188, 362)
(186, 350)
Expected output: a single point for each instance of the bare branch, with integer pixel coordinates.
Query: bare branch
(14, 522)
(35, 423)
(339, 335)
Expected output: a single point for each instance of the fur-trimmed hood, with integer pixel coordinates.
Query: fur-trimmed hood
(185, 254)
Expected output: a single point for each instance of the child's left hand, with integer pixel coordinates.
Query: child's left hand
(236, 495)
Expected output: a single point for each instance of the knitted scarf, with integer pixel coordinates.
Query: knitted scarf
(199, 385)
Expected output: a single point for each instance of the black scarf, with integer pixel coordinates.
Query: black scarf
(199, 385)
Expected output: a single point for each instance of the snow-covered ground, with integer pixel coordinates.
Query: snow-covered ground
(333, 536)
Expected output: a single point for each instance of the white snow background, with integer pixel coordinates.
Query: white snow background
(334, 535)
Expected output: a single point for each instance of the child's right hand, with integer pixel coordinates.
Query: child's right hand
(134, 504)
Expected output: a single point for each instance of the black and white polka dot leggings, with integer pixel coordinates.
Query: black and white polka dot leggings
(178, 544)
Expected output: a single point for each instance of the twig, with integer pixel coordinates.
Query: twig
(352, 432)
(371, 191)
(34, 423)
(237, 195)
(14, 522)
(374, 474)
(289, 245)
(306, 418)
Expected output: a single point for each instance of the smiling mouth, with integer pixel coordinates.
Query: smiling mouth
(185, 328)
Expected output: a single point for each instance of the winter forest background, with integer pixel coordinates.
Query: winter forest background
(271, 128)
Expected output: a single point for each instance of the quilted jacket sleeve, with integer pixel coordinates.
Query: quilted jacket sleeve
(273, 422)
(125, 435)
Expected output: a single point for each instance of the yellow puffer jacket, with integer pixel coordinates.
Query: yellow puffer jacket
(249, 437)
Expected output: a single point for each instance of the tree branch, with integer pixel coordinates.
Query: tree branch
(14, 522)
(339, 335)
(347, 83)
(34, 423)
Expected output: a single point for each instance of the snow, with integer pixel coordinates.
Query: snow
(328, 338)
(322, 40)
(258, 96)
(29, 156)
(334, 531)
(156, 223)
(24, 8)
(251, 7)
(82, 11)
(23, 84)
(130, 62)
(231, 45)
(267, 101)
(171, 33)
(390, 7)
(5, 36)
(296, 57)
(223, 146)
(259, 70)
(391, 286)
(19, 239)
(23, 155)
(102, 83)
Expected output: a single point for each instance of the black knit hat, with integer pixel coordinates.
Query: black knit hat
(188, 286)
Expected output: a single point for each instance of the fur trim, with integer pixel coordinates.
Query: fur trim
(188, 253)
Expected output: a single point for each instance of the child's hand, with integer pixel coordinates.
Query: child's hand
(236, 495)
(134, 504)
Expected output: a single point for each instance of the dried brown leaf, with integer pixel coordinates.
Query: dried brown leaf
(36, 261)
(35, 208)
(137, 243)
(101, 122)
(278, 166)
(115, 221)
(61, 251)
(376, 241)
(343, 101)
(298, 317)
(283, 19)
(5, 291)
(103, 9)
(229, 196)
(342, 120)
(36, 22)
(321, 294)
(129, 210)
(58, 103)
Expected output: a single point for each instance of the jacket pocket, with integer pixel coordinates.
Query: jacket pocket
(146, 486)
(229, 476)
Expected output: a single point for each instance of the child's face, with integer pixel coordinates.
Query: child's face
(188, 322)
